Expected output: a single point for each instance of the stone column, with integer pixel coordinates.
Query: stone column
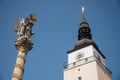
(23, 45)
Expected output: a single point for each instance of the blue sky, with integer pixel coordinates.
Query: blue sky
(56, 32)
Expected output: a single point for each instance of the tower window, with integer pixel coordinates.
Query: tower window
(74, 63)
(78, 69)
(86, 59)
(79, 78)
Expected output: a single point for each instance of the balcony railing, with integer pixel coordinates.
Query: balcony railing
(79, 62)
(83, 61)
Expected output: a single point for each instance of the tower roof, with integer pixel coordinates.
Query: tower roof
(84, 35)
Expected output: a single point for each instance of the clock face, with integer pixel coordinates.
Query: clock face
(79, 55)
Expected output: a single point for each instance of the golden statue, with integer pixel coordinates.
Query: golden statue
(83, 10)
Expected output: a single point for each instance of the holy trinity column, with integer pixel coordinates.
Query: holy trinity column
(23, 44)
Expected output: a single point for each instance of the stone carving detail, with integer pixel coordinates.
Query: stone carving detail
(24, 44)
(19, 66)
(24, 27)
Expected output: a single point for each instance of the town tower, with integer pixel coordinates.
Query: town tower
(86, 61)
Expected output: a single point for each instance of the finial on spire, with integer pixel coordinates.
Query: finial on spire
(83, 10)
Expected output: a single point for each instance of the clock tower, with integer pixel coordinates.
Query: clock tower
(86, 61)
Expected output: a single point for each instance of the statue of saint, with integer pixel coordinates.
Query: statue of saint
(24, 29)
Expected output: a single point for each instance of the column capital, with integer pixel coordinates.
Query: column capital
(23, 44)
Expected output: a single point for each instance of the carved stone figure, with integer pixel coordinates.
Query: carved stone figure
(21, 28)
(24, 29)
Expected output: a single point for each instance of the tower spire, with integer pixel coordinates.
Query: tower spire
(84, 31)
(83, 13)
